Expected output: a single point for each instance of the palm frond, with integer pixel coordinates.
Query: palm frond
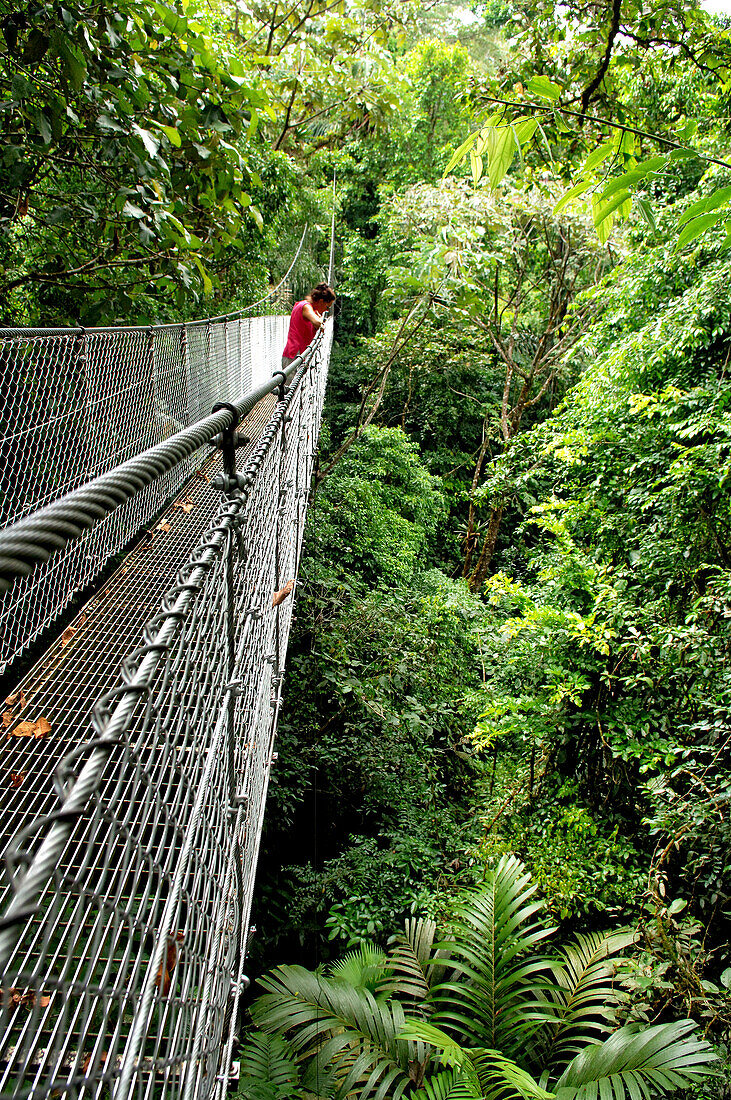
(584, 993)
(410, 966)
(488, 1073)
(267, 1069)
(502, 1079)
(638, 1064)
(494, 998)
(363, 967)
(340, 1032)
(450, 1084)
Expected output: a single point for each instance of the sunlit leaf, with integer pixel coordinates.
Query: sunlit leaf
(704, 206)
(602, 210)
(524, 129)
(574, 192)
(542, 86)
(697, 226)
(500, 150)
(598, 156)
(460, 153)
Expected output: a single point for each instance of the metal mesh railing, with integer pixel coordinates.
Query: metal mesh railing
(75, 403)
(126, 911)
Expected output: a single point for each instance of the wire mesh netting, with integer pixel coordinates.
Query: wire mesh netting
(76, 403)
(125, 916)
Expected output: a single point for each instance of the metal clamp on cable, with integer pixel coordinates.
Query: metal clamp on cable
(229, 435)
(282, 384)
(227, 441)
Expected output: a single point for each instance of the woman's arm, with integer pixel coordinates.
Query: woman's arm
(309, 314)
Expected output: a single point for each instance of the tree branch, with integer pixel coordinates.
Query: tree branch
(601, 72)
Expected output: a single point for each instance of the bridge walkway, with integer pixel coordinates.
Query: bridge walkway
(136, 753)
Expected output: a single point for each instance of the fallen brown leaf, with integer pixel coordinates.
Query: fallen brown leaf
(67, 635)
(87, 1061)
(36, 729)
(166, 967)
(164, 527)
(16, 779)
(7, 718)
(184, 505)
(281, 595)
(27, 998)
(24, 729)
(18, 698)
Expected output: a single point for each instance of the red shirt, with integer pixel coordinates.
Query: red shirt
(301, 332)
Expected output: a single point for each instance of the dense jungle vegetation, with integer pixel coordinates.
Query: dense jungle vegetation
(497, 850)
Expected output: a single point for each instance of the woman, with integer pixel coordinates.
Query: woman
(306, 319)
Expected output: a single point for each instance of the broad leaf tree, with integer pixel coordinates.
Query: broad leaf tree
(122, 167)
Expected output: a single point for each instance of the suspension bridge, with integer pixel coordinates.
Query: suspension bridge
(137, 749)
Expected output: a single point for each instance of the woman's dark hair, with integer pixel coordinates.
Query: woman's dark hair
(322, 293)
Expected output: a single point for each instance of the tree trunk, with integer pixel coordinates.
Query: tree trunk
(477, 577)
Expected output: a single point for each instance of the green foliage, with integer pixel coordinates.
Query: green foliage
(122, 165)
(377, 511)
(361, 1055)
(378, 711)
(548, 1018)
(585, 97)
(268, 1070)
(583, 861)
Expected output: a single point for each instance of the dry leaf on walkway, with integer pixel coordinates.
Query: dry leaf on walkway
(36, 729)
(18, 698)
(67, 635)
(7, 718)
(16, 779)
(166, 967)
(281, 595)
(26, 997)
(164, 527)
(184, 505)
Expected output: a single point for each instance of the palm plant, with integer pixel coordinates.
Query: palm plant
(487, 1014)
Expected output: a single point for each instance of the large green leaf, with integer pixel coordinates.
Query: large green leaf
(584, 994)
(574, 192)
(493, 999)
(411, 967)
(267, 1068)
(501, 146)
(638, 1063)
(338, 1031)
(704, 206)
(542, 86)
(697, 226)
